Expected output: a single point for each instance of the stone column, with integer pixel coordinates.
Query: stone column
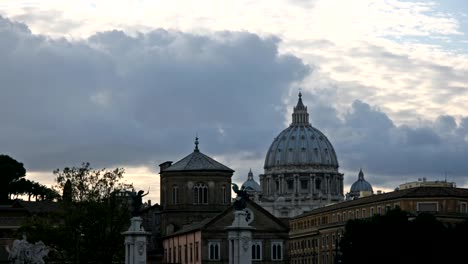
(262, 183)
(312, 184)
(135, 242)
(240, 239)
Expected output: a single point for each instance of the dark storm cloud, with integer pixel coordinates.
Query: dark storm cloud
(366, 137)
(120, 99)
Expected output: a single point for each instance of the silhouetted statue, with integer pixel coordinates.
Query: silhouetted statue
(137, 202)
(241, 199)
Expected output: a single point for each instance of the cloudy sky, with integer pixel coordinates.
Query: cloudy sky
(130, 83)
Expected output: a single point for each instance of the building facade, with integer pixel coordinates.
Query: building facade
(207, 241)
(301, 169)
(314, 236)
(193, 189)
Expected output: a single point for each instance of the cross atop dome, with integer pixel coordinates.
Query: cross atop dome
(300, 115)
(250, 175)
(361, 175)
(196, 145)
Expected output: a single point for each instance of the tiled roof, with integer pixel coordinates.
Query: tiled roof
(198, 161)
(407, 193)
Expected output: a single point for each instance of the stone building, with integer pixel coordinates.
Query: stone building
(301, 169)
(314, 236)
(193, 189)
(207, 240)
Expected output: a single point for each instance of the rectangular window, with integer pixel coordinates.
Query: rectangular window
(196, 251)
(304, 184)
(256, 250)
(185, 253)
(179, 255)
(276, 251)
(357, 214)
(364, 213)
(428, 207)
(191, 252)
(379, 210)
(290, 184)
(372, 211)
(175, 195)
(214, 250)
(463, 208)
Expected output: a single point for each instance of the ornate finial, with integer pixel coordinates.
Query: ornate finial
(250, 175)
(300, 94)
(196, 144)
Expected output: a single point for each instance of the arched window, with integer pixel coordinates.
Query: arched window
(213, 248)
(256, 250)
(224, 193)
(276, 250)
(200, 193)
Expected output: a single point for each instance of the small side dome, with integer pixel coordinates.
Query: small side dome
(251, 185)
(361, 185)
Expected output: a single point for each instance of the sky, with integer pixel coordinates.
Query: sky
(131, 83)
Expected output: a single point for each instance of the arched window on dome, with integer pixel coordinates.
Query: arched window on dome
(200, 193)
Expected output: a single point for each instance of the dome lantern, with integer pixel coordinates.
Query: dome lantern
(300, 115)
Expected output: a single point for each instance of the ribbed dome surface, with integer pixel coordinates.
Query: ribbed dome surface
(361, 184)
(301, 144)
(250, 184)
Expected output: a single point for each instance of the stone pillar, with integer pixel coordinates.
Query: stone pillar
(312, 184)
(262, 183)
(240, 239)
(135, 242)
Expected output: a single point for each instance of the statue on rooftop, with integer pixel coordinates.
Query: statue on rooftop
(137, 202)
(242, 197)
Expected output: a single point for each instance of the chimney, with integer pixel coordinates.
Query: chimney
(164, 166)
(379, 192)
(149, 203)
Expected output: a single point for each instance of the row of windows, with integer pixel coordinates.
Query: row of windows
(214, 252)
(172, 257)
(200, 194)
(313, 243)
(314, 259)
(339, 217)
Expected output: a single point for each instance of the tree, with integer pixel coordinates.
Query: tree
(10, 170)
(31, 188)
(94, 215)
